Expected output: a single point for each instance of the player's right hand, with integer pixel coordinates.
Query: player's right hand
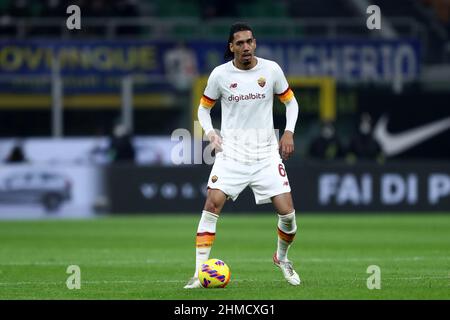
(215, 140)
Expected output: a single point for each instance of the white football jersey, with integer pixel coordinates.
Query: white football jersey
(246, 98)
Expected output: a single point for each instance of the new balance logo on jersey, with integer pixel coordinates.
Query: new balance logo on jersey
(250, 96)
(233, 85)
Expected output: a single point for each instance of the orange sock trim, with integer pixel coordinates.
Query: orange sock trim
(286, 236)
(204, 239)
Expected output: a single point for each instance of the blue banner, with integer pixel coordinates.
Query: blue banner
(346, 60)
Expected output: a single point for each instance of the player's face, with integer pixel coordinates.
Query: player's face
(243, 47)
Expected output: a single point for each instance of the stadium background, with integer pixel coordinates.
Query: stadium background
(87, 120)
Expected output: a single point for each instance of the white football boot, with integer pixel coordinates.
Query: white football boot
(288, 271)
(193, 283)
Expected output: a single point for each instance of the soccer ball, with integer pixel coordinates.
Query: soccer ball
(214, 273)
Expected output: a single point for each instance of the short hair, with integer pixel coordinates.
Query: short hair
(235, 27)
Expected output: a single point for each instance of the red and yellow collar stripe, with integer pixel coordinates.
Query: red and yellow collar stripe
(207, 102)
(286, 96)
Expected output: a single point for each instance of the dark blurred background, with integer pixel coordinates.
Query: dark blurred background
(108, 97)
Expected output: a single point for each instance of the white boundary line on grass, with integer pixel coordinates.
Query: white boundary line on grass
(162, 262)
(62, 283)
(20, 283)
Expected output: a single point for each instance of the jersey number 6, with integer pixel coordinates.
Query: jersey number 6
(281, 170)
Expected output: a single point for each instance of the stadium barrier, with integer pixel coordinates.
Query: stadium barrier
(68, 190)
(365, 187)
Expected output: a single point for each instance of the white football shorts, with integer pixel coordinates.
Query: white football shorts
(266, 179)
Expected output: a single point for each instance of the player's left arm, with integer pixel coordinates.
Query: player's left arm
(286, 96)
(287, 140)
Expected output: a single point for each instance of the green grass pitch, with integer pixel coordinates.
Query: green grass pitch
(151, 257)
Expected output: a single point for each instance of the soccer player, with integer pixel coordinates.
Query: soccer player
(247, 150)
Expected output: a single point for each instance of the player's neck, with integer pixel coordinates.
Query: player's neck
(249, 66)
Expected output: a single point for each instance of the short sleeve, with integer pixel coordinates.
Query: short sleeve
(281, 83)
(212, 92)
(281, 86)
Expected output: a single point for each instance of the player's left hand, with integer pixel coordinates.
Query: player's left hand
(286, 146)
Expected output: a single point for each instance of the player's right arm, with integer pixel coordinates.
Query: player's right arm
(204, 117)
(207, 102)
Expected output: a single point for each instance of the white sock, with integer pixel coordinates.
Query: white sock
(206, 233)
(287, 229)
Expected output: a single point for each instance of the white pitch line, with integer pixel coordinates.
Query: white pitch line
(20, 283)
(358, 259)
(90, 263)
(162, 262)
(106, 282)
(409, 278)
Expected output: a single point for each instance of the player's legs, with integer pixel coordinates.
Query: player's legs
(206, 231)
(283, 203)
(271, 184)
(215, 200)
(226, 180)
(287, 228)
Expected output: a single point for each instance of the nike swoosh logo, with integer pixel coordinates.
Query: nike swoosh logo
(393, 144)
